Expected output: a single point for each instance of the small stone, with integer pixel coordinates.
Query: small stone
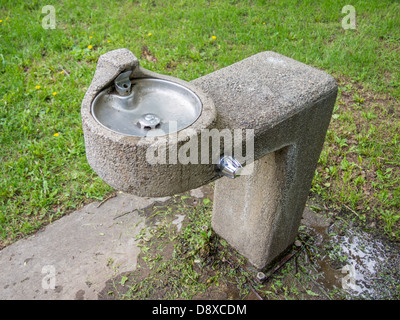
(373, 224)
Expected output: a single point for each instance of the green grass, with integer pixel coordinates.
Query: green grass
(45, 175)
(359, 168)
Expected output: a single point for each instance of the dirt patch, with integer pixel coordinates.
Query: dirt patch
(146, 54)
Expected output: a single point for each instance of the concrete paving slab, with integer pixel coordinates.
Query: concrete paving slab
(73, 257)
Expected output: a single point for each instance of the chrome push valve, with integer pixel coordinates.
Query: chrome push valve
(229, 167)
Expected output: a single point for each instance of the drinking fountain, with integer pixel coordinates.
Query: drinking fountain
(129, 113)
(129, 110)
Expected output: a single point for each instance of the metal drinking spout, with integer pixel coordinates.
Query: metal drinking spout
(123, 84)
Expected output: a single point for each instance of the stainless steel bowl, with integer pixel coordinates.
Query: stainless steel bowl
(154, 107)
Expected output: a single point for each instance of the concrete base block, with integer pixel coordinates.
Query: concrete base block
(246, 210)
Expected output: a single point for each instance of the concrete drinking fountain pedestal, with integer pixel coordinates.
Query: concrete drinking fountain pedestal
(285, 104)
(288, 105)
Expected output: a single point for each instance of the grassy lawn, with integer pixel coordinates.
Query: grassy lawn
(45, 73)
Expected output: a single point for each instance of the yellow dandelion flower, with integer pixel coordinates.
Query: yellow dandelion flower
(90, 46)
(54, 93)
(213, 37)
(149, 33)
(1, 21)
(37, 87)
(263, 22)
(108, 41)
(62, 71)
(56, 134)
(90, 37)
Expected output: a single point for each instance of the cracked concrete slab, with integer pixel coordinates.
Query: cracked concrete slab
(73, 257)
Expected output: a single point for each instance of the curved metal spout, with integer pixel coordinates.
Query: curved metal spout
(123, 84)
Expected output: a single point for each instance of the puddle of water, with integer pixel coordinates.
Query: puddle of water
(372, 269)
(366, 267)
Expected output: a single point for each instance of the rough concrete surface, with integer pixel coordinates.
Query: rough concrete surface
(245, 209)
(288, 105)
(73, 257)
(121, 160)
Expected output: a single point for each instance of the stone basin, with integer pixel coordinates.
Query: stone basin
(158, 113)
